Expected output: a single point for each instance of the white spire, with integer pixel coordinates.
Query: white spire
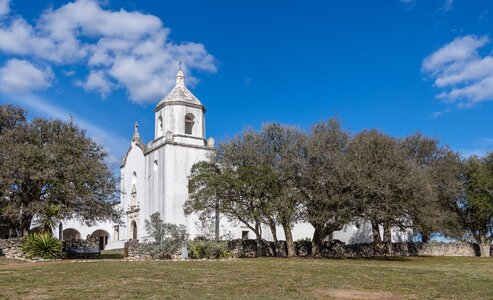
(136, 136)
(180, 77)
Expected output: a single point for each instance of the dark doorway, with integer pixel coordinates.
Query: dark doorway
(101, 243)
(134, 230)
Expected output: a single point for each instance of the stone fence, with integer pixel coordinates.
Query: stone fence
(90, 241)
(12, 248)
(134, 249)
(337, 249)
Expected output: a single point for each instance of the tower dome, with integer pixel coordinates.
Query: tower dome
(180, 93)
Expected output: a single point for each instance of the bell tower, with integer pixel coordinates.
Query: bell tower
(180, 115)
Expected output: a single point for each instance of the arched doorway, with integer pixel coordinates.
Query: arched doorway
(134, 230)
(71, 234)
(103, 236)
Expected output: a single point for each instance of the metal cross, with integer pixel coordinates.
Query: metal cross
(180, 64)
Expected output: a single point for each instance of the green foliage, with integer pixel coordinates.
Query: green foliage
(165, 249)
(475, 208)
(444, 169)
(155, 227)
(46, 162)
(199, 249)
(42, 245)
(50, 218)
(169, 238)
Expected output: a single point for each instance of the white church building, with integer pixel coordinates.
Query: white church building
(154, 178)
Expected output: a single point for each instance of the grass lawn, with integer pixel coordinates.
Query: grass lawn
(394, 278)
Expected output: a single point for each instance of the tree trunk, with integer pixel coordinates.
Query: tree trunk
(387, 233)
(260, 242)
(26, 225)
(317, 241)
(485, 249)
(376, 232)
(289, 239)
(272, 226)
(425, 237)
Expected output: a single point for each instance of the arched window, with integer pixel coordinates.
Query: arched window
(134, 230)
(189, 123)
(160, 122)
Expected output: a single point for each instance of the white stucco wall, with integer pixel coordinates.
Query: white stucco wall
(173, 117)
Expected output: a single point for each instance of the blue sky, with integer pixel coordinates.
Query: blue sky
(400, 66)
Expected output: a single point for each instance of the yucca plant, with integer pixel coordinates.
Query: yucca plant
(42, 245)
(50, 218)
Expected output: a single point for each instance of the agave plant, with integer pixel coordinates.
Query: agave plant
(42, 245)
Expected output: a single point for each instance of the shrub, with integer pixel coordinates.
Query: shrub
(42, 245)
(165, 249)
(208, 249)
(168, 238)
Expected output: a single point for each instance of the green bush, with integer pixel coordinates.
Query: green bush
(165, 249)
(208, 249)
(42, 245)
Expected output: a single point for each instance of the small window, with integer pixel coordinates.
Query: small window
(189, 120)
(156, 166)
(244, 235)
(160, 126)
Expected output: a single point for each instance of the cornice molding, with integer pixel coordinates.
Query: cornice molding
(182, 103)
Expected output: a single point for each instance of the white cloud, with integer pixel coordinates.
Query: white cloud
(119, 48)
(448, 5)
(464, 75)
(4, 7)
(97, 82)
(20, 76)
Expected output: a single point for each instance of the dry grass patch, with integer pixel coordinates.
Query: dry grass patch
(348, 294)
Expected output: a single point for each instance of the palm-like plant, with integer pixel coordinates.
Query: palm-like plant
(50, 218)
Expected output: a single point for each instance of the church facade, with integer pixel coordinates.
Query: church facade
(154, 178)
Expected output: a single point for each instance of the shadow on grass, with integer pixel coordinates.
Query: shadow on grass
(375, 258)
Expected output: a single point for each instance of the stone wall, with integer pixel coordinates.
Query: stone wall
(134, 249)
(12, 248)
(91, 241)
(337, 249)
(449, 249)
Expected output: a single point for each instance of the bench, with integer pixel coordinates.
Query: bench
(74, 251)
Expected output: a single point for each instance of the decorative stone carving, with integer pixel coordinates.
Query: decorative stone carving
(169, 136)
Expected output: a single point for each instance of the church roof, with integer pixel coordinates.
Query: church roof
(180, 93)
